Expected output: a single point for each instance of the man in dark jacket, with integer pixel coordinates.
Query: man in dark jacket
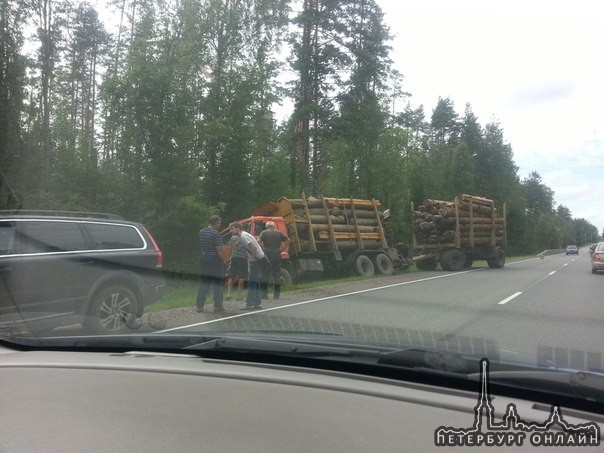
(272, 241)
(212, 259)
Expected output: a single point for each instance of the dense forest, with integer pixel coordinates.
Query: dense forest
(167, 111)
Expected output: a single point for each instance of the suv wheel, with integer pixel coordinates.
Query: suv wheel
(113, 310)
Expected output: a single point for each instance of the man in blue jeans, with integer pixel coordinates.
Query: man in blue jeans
(254, 256)
(212, 264)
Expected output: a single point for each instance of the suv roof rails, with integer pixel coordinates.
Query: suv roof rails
(94, 215)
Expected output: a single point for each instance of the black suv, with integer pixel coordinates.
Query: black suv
(94, 269)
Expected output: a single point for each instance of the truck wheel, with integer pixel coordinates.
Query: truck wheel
(364, 266)
(453, 260)
(383, 264)
(427, 264)
(498, 262)
(286, 278)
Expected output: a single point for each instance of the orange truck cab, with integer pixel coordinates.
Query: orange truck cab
(255, 225)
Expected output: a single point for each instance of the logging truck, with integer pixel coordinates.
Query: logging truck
(328, 236)
(455, 233)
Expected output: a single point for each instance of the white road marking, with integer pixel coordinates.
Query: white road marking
(281, 307)
(552, 272)
(507, 299)
(295, 304)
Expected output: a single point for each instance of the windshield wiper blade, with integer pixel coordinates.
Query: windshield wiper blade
(278, 346)
(277, 343)
(265, 342)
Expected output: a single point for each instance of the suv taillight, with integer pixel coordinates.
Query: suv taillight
(596, 257)
(160, 256)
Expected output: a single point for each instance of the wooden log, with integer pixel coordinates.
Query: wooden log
(322, 219)
(364, 222)
(345, 228)
(476, 200)
(483, 220)
(476, 210)
(359, 213)
(338, 220)
(336, 211)
(446, 211)
(427, 227)
(325, 245)
(479, 227)
(316, 211)
(347, 202)
(348, 236)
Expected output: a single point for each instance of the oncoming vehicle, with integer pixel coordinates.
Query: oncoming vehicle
(572, 250)
(427, 161)
(59, 269)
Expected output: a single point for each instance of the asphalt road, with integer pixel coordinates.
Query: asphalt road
(532, 310)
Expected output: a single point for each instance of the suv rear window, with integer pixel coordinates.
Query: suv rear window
(107, 237)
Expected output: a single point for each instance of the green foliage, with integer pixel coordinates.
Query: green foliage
(12, 94)
(171, 118)
(175, 230)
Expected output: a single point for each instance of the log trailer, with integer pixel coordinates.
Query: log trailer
(328, 236)
(455, 233)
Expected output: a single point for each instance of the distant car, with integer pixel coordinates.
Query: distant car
(572, 249)
(597, 258)
(97, 270)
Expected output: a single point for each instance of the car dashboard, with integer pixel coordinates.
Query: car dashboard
(161, 402)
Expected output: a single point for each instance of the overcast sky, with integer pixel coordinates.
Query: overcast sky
(536, 67)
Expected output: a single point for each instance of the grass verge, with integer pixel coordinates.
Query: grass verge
(182, 292)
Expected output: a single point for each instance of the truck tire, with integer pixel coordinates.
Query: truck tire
(426, 265)
(364, 266)
(453, 260)
(498, 261)
(286, 277)
(383, 264)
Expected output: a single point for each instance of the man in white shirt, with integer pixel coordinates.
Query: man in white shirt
(254, 255)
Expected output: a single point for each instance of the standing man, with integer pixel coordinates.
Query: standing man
(212, 259)
(237, 267)
(254, 255)
(273, 241)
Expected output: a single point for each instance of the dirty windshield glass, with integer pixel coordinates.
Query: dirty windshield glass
(410, 174)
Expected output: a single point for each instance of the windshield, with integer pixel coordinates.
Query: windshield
(372, 172)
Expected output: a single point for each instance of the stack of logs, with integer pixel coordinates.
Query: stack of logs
(351, 220)
(434, 221)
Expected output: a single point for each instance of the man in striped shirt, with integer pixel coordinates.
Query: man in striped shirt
(212, 259)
